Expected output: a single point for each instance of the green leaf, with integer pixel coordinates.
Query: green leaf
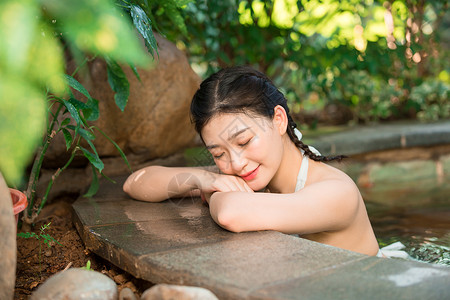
(135, 71)
(78, 104)
(94, 184)
(67, 138)
(73, 111)
(91, 113)
(119, 83)
(77, 86)
(88, 266)
(22, 123)
(97, 27)
(65, 122)
(93, 159)
(144, 26)
(115, 145)
(26, 235)
(174, 15)
(87, 135)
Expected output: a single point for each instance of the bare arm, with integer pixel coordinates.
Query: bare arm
(157, 183)
(322, 206)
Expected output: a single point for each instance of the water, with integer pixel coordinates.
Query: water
(418, 216)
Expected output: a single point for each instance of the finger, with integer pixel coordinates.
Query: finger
(243, 184)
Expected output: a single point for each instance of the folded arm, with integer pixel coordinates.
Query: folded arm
(157, 183)
(323, 206)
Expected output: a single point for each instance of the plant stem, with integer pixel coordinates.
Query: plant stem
(57, 173)
(35, 171)
(40, 265)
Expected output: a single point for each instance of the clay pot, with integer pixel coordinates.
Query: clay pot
(19, 201)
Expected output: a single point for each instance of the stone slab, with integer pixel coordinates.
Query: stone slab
(383, 137)
(370, 278)
(177, 242)
(234, 267)
(96, 211)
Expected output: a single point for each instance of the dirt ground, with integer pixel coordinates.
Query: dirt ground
(36, 263)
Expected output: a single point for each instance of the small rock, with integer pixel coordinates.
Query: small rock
(48, 252)
(127, 294)
(130, 285)
(120, 279)
(178, 292)
(76, 284)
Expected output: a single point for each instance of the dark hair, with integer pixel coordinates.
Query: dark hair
(242, 89)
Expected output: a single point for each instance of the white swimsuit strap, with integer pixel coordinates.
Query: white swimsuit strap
(302, 173)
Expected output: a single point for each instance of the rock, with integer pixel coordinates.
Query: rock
(177, 292)
(127, 294)
(8, 246)
(156, 121)
(77, 284)
(120, 279)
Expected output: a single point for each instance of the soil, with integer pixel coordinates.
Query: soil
(36, 262)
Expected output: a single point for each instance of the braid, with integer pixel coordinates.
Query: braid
(304, 147)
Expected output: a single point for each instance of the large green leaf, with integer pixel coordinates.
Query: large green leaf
(22, 123)
(119, 83)
(98, 27)
(91, 113)
(144, 26)
(77, 86)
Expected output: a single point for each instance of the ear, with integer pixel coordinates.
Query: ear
(280, 120)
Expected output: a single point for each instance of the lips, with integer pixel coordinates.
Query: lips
(250, 175)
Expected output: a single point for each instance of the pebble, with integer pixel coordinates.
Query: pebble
(77, 284)
(178, 292)
(127, 294)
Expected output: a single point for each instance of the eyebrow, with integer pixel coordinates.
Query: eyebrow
(233, 136)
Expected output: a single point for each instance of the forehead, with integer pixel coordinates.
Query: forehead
(223, 127)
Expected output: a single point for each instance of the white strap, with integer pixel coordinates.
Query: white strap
(302, 174)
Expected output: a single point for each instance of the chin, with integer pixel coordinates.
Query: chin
(257, 187)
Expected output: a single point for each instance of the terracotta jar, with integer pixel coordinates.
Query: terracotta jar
(19, 201)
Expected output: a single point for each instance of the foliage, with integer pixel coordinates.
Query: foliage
(88, 266)
(32, 64)
(319, 48)
(34, 88)
(431, 99)
(42, 237)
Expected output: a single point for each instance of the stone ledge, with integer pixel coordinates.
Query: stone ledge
(384, 137)
(177, 242)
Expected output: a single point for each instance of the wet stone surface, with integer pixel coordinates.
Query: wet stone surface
(177, 242)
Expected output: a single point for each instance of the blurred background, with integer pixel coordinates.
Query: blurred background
(337, 61)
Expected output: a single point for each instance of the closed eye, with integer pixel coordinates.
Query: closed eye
(246, 143)
(218, 156)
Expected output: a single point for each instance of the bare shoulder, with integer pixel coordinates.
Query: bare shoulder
(323, 171)
(332, 183)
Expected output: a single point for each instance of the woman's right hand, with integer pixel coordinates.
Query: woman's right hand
(211, 182)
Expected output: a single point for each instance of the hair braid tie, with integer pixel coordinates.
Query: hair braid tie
(311, 148)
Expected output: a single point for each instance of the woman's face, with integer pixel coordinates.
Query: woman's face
(245, 146)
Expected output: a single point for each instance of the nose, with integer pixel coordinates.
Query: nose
(238, 161)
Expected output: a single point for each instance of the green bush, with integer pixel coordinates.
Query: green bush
(431, 99)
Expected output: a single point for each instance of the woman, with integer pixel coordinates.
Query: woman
(268, 179)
